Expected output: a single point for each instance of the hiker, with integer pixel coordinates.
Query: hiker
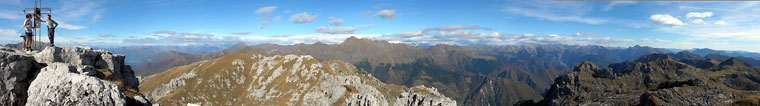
(51, 24)
(28, 37)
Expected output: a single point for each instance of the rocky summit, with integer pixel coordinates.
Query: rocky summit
(657, 79)
(253, 79)
(67, 76)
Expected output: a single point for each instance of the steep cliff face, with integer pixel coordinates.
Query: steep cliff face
(657, 79)
(243, 79)
(66, 75)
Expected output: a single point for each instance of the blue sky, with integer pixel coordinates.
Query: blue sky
(730, 25)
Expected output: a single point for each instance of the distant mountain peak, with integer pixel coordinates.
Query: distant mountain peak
(653, 57)
(585, 65)
(240, 44)
(733, 62)
(353, 40)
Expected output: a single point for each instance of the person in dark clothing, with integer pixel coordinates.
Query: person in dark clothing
(51, 24)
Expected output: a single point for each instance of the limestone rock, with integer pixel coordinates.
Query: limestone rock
(17, 70)
(61, 88)
(66, 75)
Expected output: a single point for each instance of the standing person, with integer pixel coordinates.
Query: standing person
(51, 24)
(28, 26)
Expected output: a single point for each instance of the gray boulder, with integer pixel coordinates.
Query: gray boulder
(57, 86)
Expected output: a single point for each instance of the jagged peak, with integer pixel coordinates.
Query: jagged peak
(585, 65)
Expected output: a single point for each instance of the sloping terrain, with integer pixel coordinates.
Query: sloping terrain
(658, 79)
(252, 79)
(472, 75)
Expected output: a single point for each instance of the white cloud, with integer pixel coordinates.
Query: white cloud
(335, 21)
(303, 17)
(553, 10)
(457, 36)
(167, 37)
(240, 33)
(286, 11)
(306, 39)
(385, 14)
(720, 23)
(266, 9)
(698, 21)
(266, 20)
(699, 14)
(106, 35)
(335, 30)
(9, 36)
(456, 27)
(665, 19)
(617, 3)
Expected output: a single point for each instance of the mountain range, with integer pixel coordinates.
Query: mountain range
(471, 75)
(658, 79)
(253, 79)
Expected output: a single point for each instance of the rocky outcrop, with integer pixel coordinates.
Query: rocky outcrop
(18, 69)
(57, 85)
(656, 79)
(66, 75)
(243, 79)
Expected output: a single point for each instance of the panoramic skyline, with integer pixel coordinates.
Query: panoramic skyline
(665, 24)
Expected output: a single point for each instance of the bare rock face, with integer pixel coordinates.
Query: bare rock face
(56, 85)
(656, 80)
(244, 79)
(423, 96)
(17, 70)
(66, 75)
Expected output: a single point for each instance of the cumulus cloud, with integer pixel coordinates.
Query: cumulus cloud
(266, 9)
(240, 33)
(665, 19)
(335, 21)
(303, 17)
(385, 14)
(699, 14)
(106, 35)
(335, 30)
(698, 21)
(455, 28)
